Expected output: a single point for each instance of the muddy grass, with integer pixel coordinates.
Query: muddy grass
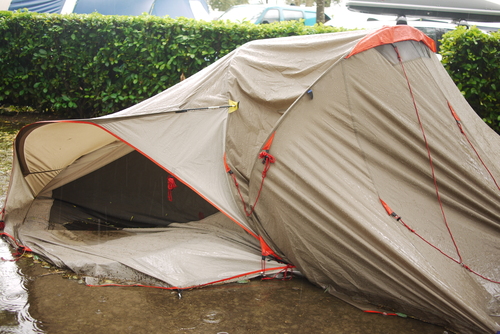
(61, 303)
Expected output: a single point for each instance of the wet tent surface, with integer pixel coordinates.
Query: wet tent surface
(270, 306)
(35, 297)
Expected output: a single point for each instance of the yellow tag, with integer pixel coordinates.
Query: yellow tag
(233, 106)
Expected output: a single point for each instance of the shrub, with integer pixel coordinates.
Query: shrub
(90, 65)
(471, 58)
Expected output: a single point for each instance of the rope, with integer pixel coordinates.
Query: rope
(287, 272)
(459, 124)
(268, 159)
(402, 315)
(429, 155)
(399, 219)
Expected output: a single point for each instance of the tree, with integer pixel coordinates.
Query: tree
(320, 11)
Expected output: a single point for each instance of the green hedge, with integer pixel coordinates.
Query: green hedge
(471, 57)
(91, 65)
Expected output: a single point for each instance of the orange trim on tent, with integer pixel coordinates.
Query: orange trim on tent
(260, 271)
(386, 207)
(392, 34)
(455, 116)
(266, 250)
(226, 166)
(267, 146)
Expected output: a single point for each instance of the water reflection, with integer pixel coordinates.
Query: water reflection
(14, 315)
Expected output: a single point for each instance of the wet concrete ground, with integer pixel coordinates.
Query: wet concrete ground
(271, 306)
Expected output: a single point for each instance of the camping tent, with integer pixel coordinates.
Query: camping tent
(174, 8)
(352, 156)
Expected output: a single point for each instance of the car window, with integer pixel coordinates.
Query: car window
(290, 15)
(434, 33)
(272, 15)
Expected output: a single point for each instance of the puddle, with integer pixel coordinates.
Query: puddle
(14, 315)
(212, 317)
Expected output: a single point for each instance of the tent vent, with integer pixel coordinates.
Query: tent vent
(408, 50)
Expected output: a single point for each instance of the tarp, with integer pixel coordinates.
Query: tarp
(113, 7)
(40, 6)
(174, 8)
(352, 156)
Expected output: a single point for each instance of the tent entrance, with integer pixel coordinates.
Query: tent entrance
(130, 192)
(116, 219)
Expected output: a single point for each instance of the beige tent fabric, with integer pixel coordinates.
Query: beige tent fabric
(358, 141)
(182, 255)
(18, 200)
(87, 164)
(189, 145)
(267, 77)
(53, 146)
